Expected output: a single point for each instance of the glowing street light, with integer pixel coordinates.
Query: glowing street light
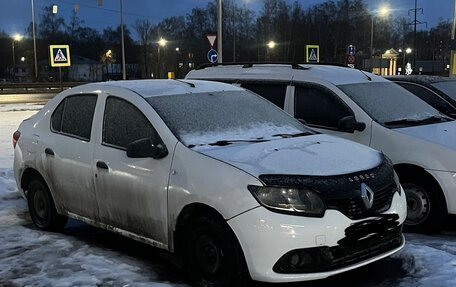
(22, 59)
(272, 44)
(408, 50)
(384, 11)
(17, 37)
(162, 42)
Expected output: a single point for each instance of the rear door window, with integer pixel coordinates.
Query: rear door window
(74, 116)
(319, 107)
(275, 93)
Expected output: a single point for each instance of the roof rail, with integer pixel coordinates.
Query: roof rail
(293, 65)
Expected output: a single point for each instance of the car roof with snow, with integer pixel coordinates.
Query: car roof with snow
(154, 88)
(335, 74)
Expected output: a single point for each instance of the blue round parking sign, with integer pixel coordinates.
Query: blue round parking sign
(212, 56)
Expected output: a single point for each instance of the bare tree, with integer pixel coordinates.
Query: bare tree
(145, 32)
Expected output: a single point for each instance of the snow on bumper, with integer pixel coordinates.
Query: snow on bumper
(266, 236)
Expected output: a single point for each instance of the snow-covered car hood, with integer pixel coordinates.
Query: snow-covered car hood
(321, 154)
(443, 134)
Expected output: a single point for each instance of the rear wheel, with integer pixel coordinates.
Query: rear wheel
(212, 254)
(42, 209)
(425, 208)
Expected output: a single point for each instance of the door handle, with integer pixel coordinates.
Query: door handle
(49, 151)
(102, 164)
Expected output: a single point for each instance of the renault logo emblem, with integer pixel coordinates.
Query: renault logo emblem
(367, 195)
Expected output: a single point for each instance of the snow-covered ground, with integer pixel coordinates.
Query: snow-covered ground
(86, 256)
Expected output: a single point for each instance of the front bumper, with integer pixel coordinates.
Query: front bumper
(265, 237)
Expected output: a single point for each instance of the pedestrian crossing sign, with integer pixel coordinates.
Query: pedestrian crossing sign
(312, 53)
(60, 55)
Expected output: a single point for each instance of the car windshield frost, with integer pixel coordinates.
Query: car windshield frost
(222, 118)
(391, 105)
(448, 87)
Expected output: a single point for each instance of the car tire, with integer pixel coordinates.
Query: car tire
(425, 208)
(42, 209)
(212, 254)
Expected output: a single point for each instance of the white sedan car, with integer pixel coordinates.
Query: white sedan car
(220, 177)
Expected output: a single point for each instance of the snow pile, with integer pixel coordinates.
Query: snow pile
(12, 206)
(29, 257)
(428, 261)
(9, 122)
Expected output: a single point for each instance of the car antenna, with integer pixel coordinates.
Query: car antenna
(367, 76)
(190, 84)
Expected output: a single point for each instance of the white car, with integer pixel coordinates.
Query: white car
(213, 173)
(368, 109)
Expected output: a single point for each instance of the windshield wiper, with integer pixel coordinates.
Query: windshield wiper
(228, 142)
(293, 135)
(428, 120)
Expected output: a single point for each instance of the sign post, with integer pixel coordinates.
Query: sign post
(312, 53)
(212, 55)
(60, 57)
(351, 58)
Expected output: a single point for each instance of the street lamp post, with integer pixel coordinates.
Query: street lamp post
(161, 43)
(271, 45)
(124, 72)
(16, 38)
(219, 31)
(34, 40)
(382, 12)
(108, 57)
(453, 37)
(407, 51)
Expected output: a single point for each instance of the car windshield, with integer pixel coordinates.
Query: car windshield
(391, 105)
(448, 87)
(222, 118)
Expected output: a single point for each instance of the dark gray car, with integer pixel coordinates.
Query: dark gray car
(439, 92)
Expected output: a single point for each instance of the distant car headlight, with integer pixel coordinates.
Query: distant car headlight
(398, 184)
(303, 202)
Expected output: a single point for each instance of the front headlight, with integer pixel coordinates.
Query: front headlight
(398, 184)
(289, 200)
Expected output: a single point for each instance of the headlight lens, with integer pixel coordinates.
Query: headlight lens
(398, 184)
(289, 200)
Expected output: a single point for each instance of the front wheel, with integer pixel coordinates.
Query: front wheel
(425, 210)
(212, 254)
(42, 209)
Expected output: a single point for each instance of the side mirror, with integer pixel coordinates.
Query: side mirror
(350, 125)
(143, 148)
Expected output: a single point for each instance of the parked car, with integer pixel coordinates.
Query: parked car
(439, 92)
(368, 109)
(214, 174)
